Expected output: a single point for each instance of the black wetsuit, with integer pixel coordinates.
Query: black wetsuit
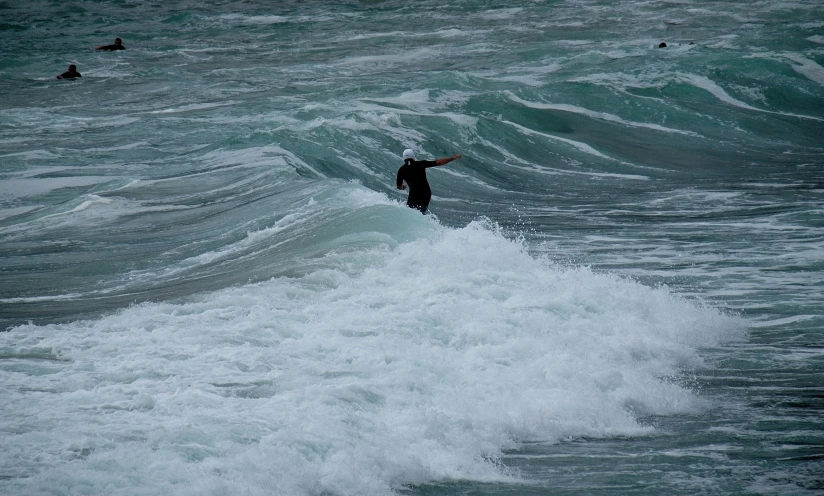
(414, 173)
(111, 47)
(69, 75)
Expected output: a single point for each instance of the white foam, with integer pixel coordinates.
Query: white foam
(621, 81)
(582, 147)
(530, 76)
(86, 209)
(595, 115)
(406, 98)
(191, 107)
(255, 19)
(708, 85)
(36, 299)
(382, 368)
(451, 33)
(269, 156)
(392, 59)
(502, 14)
(807, 67)
(422, 100)
(725, 41)
(92, 200)
(33, 155)
(783, 321)
(525, 79)
(21, 188)
(369, 36)
(804, 66)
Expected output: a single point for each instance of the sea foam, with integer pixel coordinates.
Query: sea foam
(387, 366)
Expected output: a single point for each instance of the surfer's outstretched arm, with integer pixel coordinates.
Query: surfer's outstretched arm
(444, 161)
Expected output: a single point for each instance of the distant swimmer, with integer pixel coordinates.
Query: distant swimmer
(662, 45)
(413, 173)
(70, 74)
(118, 45)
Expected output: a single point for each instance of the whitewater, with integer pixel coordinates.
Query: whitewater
(210, 285)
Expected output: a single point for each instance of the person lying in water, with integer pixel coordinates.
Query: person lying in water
(118, 45)
(70, 74)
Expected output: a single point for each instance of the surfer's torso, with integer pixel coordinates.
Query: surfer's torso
(414, 173)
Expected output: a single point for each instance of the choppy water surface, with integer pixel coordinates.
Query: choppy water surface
(209, 284)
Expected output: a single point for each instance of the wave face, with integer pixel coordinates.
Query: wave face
(210, 285)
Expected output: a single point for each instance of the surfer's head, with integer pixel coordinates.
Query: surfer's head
(118, 41)
(408, 154)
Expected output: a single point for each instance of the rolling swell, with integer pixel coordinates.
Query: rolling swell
(549, 135)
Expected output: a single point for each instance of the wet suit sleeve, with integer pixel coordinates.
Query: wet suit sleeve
(399, 181)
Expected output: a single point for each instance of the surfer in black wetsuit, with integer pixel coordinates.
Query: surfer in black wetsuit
(70, 74)
(118, 45)
(413, 172)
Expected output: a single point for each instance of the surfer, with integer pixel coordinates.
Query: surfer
(118, 45)
(413, 173)
(70, 74)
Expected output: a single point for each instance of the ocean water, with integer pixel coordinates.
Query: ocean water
(210, 286)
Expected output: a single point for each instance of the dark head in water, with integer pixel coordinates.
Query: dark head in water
(118, 45)
(71, 73)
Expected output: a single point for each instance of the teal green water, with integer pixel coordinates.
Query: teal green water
(210, 285)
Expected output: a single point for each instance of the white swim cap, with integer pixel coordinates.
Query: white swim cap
(408, 153)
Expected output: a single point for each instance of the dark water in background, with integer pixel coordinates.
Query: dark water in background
(211, 286)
